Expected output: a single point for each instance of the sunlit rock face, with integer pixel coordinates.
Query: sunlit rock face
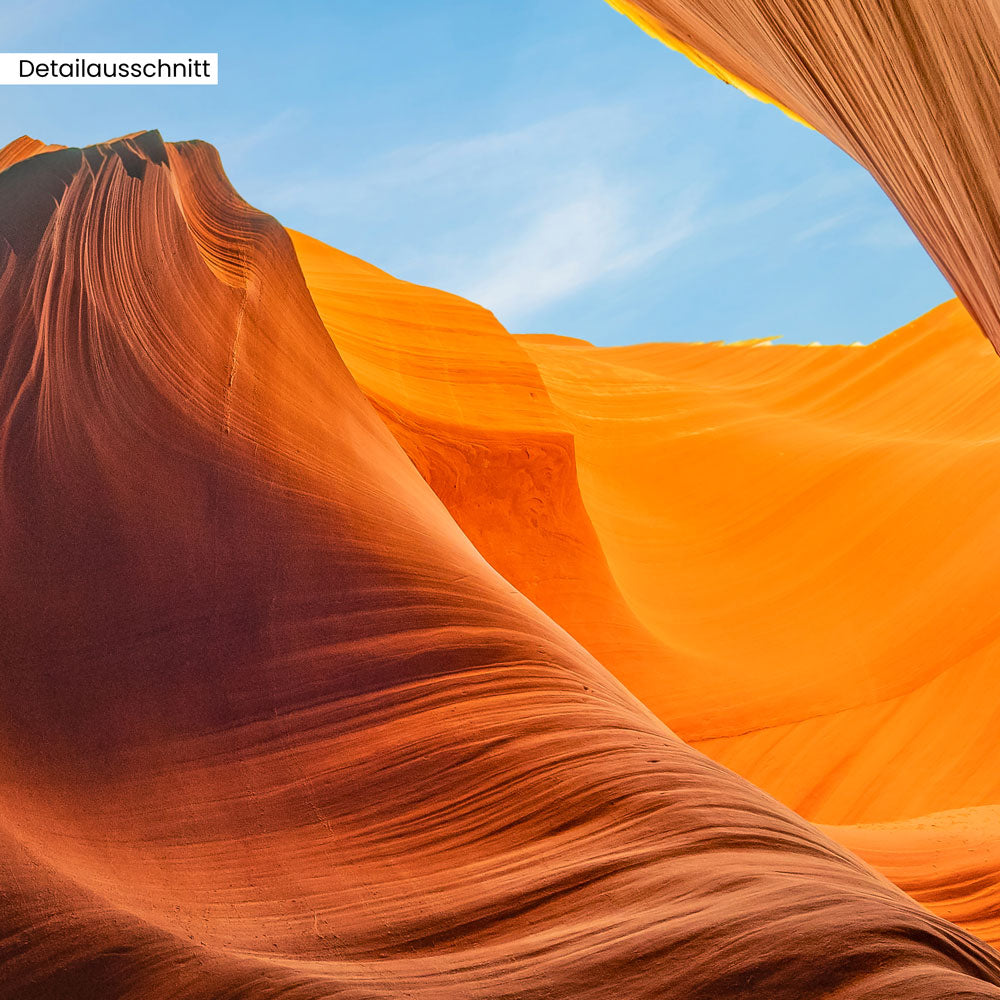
(273, 727)
(909, 88)
(772, 546)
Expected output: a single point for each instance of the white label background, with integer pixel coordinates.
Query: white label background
(10, 68)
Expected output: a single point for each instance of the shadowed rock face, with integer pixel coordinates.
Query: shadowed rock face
(273, 728)
(909, 88)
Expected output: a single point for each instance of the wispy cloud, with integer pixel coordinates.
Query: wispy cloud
(498, 161)
(539, 215)
(583, 238)
(237, 147)
(823, 227)
(516, 220)
(886, 234)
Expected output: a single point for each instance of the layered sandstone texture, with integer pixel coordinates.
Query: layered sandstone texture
(273, 724)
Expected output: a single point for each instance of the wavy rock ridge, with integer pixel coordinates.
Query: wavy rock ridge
(469, 406)
(273, 727)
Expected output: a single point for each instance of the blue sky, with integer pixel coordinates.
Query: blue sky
(543, 157)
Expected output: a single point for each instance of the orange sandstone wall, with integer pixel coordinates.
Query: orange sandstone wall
(273, 727)
(783, 521)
